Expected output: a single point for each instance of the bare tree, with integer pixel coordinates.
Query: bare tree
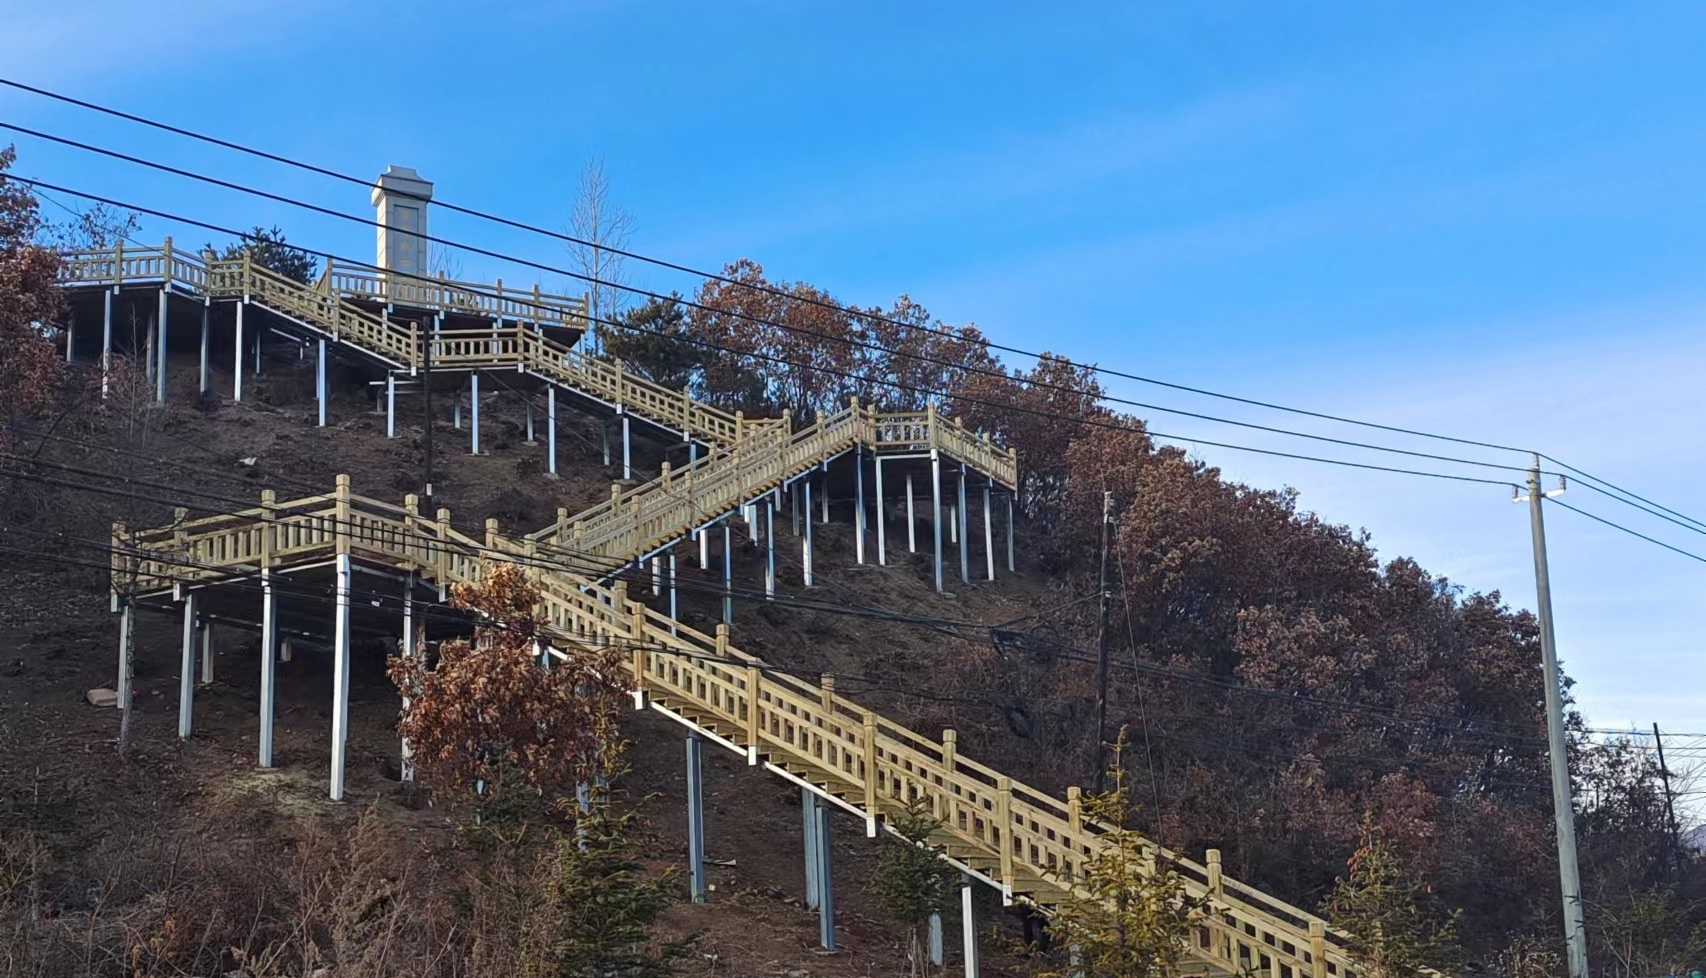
(602, 229)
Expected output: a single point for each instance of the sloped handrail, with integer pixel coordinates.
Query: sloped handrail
(1027, 839)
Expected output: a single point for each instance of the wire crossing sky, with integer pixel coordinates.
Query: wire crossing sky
(1479, 222)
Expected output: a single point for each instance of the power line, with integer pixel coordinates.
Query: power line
(1633, 533)
(1020, 409)
(663, 263)
(984, 371)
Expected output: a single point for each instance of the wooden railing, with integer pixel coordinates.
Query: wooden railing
(466, 298)
(1027, 840)
(517, 346)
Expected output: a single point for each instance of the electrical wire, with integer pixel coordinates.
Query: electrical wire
(331, 212)
(712, 276)
(1633, 533)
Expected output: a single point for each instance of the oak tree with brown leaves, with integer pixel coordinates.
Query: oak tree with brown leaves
(492, 713)
(30, 305)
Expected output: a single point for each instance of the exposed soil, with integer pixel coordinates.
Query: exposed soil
(57, 640)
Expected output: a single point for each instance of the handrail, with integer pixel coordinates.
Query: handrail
(517, 346)
(1025, 838)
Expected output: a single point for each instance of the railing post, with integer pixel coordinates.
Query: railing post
(754, 700)
(443, 561)
(492, 532)
(722, 640)
(343, 514)
(930, 422)
(740, 422)
(1004, 814)
(871, 811)
(619, 387)
(827, 697)
(1075, 808)
(166, 269)
(1317, 949)
(118, 263)
(411, 515)
(562, 524)
(1215, 888)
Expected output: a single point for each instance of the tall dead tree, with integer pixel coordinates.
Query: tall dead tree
(602, 229)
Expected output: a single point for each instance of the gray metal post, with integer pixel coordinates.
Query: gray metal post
(390, 405)
(148, 350)
(551, 429)
(960, 516)
(160, 348)
(728, 575)
(825, 883)
(405, 753)
(911, 519)
(672, 604)
(186, 676)
(825, 493)
(1010, 497)
(808, 833)
(695, 820)
(988, 535)
(604, 432)
(528, 402)
(968, 930)
(1563, 807)
(340, 680)
(858, 504)
(704, 548)
(237, 357)
(936, 510)
(206, 631)
(807, 546)
(126, 632)
(794, 505)
(320, 379)
(206, 346)
(71, 337)
(627, 446)
(269, 684)
(935, 943)
(769, 548)
(882, 518)
(456, 412)
(474, 413)
(106, 342)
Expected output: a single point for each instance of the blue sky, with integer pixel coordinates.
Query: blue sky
(1476, 219)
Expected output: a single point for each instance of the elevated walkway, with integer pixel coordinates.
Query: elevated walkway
(1018, 839)
(399, 327)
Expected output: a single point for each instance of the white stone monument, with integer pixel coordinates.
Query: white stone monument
(402, 197)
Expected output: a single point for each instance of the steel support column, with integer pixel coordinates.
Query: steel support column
(769, 548)
(551, 429)
(728, 575)
(206, 633)
(269, 682)
(965, 545)
(935, 942)
(808, 834)
(988, 535)
(672, 603)
(320, 379)
(528, 403)
(160, 347)
(968, 930)
(390, 405)
(474, 413)
(936, 510)
(186, 674)
(106, 342)
(237, 355)
(340, 679)
(825, 882)
(206, 377)
(126, 634)
(627, 446)
(882, 518)
(859, 504)
(807, 546)
(695, 820)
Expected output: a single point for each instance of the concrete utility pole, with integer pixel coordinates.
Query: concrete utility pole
(1102, 644)
(1563, 808)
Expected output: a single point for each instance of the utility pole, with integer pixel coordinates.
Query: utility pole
(1670, 806)
(1563, 808)
(1102, 644)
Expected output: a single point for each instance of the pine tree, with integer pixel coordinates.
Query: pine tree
(1128, 914)
(1386, 912)
(912, 882)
